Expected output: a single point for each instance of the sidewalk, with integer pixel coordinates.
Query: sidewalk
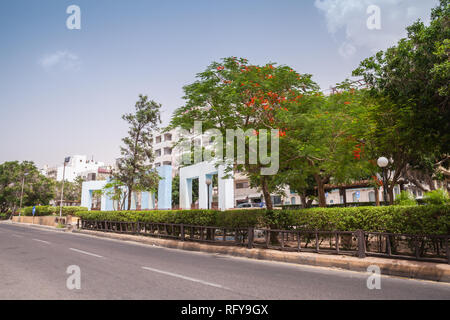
(394, 267)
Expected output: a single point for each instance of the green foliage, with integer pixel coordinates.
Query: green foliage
(194, 217)
(4, 216)
(234, 94)
(429, 219)
(50, 210)
(37, 189)
(324, 141)
(72, 190)
(414, 75)
(134, 168)
(436, 197)
(116, 191)
(405, 198)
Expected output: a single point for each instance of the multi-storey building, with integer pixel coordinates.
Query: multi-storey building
(78, 166)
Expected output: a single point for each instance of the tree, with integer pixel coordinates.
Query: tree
(176, 191)
(134, 168)
(37, 189)
(409, 124)
(235, 94)
(325, 140)
(72, 190)
(116, 191)
(413, 77)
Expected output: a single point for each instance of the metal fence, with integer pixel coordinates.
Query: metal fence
(432, 248)
(183, 232)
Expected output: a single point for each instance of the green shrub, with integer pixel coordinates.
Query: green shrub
(436, 197)
(430, 219)
(405, 198)
(50, 210)
(4, 216)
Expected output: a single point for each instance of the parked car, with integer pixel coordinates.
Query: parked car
(244, 205)
(251, 205)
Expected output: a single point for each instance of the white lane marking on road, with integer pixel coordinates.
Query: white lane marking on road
(186, 278)
(85, 252)
(41, 241)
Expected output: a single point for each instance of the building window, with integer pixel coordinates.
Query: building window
(167, 163)
(158, 153)
(167, 151)
(158, 164)
(241, 185)
(372, 196)
(158, 139)
(276, 199)
(293, 200)
(167, 137)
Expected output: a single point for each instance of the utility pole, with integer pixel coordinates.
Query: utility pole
(66, 160)
(21, 193)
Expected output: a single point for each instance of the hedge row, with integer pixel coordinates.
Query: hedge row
(335, 205)
(50, 210)
(395, 219)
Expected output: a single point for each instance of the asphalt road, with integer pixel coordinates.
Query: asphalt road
(33, 265)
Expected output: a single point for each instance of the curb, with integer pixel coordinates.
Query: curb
(35, 226)
(403, 268)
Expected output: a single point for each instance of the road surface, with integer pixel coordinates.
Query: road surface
(34, 263)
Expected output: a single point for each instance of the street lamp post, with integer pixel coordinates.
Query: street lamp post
(208, 183)
(66, 160)
(382, 163)
(21, 193)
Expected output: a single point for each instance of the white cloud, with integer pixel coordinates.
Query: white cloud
(351, 17)
(60, 60)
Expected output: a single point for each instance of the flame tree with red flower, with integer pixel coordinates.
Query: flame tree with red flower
(236, 94)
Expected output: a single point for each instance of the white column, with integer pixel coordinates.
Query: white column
(226, 190)
(202, 192)
(185, 192)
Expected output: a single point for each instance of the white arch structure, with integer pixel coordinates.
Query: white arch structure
(202, 171)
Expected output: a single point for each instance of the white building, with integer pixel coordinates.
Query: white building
(78, 166)
(165, 151)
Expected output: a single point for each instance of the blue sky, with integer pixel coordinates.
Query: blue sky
(62, 92)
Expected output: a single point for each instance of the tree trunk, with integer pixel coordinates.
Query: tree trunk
(303, 199)
(321, 191)
(266, 193)
(343, 193)
(130, 189)
(273, 236)
(390, 192)
(377, 196)
(431, 183)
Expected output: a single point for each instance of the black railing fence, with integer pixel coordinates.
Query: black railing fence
(433, 248)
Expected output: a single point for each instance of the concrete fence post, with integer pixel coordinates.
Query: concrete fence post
(447, 244)
(361, 244)
(251, 234)
(182, 232)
